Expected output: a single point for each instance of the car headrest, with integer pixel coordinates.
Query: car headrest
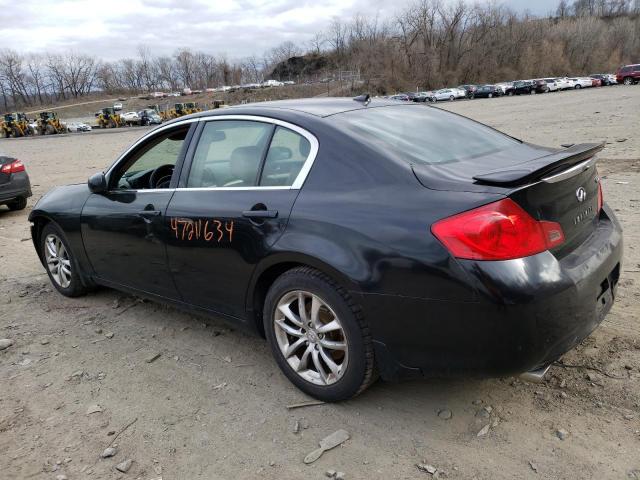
(244, 163)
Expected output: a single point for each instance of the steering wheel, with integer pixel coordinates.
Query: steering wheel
(161, 176)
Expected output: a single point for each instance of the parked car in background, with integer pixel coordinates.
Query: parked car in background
(629, 74)
(552, 84)
(596, 82)
(506, 87)
(130, 118)
(401, 97)
(78, 127)
(469, 89)
(149, 116)
(605, 79)
(460, 92)
(521, 87)
(540, 86)
(564, 83)
(612, 78)
(581, 82)
(117, 106)
(444, 94)
(15, 186)
(487, 91)
(423, 96)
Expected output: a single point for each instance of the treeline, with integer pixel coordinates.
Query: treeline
(429, 44)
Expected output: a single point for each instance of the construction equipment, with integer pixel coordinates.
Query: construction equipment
(178, 110)
(108, 118)
(49, 124)
(191, 107)
(15, 124)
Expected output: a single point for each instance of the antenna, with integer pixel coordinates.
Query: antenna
(365, 98)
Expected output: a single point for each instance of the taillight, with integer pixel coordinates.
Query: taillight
(600, 197)
(498, 231)
(13, 167)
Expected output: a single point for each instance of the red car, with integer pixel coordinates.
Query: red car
(629, 74)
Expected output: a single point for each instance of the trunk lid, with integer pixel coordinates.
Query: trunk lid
(550, 184)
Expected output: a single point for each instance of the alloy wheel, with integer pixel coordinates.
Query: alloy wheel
(311, 337)
(58, 261)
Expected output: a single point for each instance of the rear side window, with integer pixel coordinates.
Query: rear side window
(424, 135)
(287, 153)
(229, 154)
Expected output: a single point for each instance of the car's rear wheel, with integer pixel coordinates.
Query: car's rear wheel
(318, 336)
(577, 87)
(628, 81)
(59, 262)
(18, 204)
(490, 95)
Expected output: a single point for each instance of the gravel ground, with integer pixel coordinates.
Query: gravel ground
(213, 404)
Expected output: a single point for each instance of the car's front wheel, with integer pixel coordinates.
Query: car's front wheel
(628, 81)
(59, 262)
(318, 336)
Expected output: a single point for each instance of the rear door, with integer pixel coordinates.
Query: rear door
(233, 203)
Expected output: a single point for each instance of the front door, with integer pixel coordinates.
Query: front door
(123, 229)
(235, 203)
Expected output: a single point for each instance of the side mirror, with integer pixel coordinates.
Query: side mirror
(97, 183)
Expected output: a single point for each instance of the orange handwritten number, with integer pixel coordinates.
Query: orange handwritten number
(207, 234)
(174, 226)
(228, 226)
(219, 228)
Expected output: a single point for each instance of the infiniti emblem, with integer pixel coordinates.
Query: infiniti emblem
(581, 194)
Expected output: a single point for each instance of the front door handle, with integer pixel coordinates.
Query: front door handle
(260, 213)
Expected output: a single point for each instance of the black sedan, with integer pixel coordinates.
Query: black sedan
(15, 186)
(487, 91)
(357, 236)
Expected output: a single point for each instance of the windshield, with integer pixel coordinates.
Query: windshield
(420, 134)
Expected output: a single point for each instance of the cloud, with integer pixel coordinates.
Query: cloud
(237, 28)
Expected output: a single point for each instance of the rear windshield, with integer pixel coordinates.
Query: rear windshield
(420, 134)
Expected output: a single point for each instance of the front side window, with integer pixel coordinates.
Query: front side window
(229, 154)
(151, 165)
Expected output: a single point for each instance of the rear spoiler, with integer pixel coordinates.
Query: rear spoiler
(549, 165)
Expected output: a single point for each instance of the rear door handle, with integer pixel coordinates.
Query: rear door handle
(260, 213)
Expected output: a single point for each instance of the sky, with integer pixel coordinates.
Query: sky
(112, 29)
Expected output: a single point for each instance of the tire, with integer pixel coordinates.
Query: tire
(17, 204)
(490, 95)
(68, 281)
(452, 98)
(578, 87)
(510, 93)
(355, 362)
(628, 81)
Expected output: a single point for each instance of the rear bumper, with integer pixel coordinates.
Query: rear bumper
(18, 186)
(528, 313)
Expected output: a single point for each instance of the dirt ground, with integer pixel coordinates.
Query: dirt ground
(213, 405)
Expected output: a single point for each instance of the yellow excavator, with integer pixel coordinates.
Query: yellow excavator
(191, 107)
(15, 124)
(49, 124)
(108, 118)
(178, 110)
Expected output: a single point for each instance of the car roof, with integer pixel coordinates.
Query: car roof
(320, 107)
